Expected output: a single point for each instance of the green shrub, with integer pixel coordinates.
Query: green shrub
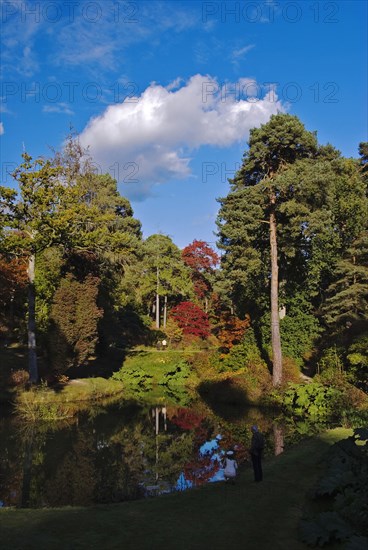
(244, 355)
(134, 379)
(314, 400)
(299, 329)
(357, 362)
(178, 375)
(331, 362)
(343, 489)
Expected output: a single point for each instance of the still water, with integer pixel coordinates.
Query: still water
(125, 451)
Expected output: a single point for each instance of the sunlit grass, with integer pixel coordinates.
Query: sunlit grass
(43, 403)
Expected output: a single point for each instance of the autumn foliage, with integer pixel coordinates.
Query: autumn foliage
(231, 330)
(199, 256)
(13, 277)
(202, 260)
(191, 319)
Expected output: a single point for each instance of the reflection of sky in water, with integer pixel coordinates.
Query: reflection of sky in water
(209, 448)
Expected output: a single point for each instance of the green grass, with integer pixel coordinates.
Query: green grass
(152, 376)
(262, 516)
(152, 360)
(43, 403)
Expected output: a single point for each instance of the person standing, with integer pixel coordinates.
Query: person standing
(256, 450)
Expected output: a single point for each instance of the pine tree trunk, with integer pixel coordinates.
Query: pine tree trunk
(32, 355)
(275, 321)
(157, 300)
(165, 311)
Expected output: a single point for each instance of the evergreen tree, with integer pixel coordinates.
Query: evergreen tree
(347, 301)
(321, 209)
(248, 215)
(74, 320)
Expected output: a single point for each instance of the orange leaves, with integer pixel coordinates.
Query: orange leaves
(232, 330)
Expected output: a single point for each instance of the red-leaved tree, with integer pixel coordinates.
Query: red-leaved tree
(191, 319)
(202, 260)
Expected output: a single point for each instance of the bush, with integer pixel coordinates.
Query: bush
(231, 330)
(314, 401)
(244, 355)
(290, 370)
(299, 332)
(173, 332)
(19, 377)
(134, 379)
(343, 490)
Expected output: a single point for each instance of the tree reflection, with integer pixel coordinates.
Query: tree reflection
(278, 437)
(125, 452)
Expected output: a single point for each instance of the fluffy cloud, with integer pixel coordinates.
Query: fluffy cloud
(150, 139)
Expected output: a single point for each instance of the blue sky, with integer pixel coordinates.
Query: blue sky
(164, 93)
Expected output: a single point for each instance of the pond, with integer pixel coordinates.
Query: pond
(125, 451)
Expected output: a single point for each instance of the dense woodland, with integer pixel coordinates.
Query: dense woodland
(289, 293)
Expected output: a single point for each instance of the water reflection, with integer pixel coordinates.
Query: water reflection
(278, 434)
(125, 452)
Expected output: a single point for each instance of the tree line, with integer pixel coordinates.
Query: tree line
(77, 274)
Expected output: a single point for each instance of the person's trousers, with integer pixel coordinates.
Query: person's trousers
(257, 467)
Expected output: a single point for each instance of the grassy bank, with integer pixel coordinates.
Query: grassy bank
(43, 403)
(145, 373)
(248, 515)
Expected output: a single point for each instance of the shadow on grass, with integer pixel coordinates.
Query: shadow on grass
(103, 366)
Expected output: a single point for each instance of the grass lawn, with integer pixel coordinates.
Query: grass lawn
(248, 515)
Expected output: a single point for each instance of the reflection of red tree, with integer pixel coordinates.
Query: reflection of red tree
(187, 419)
(201, 470)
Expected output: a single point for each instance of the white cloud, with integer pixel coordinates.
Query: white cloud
(240, 53)
(62, 108)
(2, 131)
(159, 131)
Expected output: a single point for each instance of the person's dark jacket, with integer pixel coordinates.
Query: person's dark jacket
(257, 444)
